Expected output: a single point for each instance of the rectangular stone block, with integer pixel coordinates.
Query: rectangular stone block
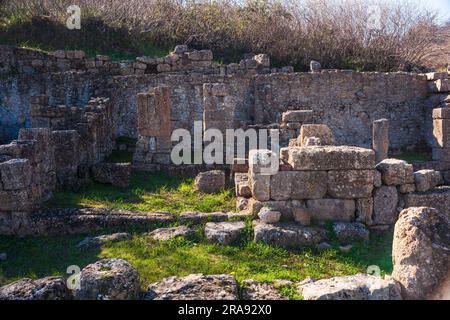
(350, 184)
(441, 132)
(308, 184)
(260, 186)
(302, 116)
(438, 198)
(16, 200)
(364, 210)
(66, 148)
(15, 174)
(331, 158)
(281, 186)
(332, 209)
(153, 112)
(443, 85)
(441, 113)
(321, 131)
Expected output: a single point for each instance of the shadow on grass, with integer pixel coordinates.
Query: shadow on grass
(147, 192)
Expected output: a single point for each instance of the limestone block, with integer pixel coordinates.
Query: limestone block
(407, 188)
(441, 132)
(308, 184)
(385, 205)
(395, 172)
(364, 210)
(350, 184)
(301, 116)
(210, 181)
(349, 232)
(15, 174)
(427, 180)
(268, 215)
(380, 139)
(260, 186)
(154, 111)
(301, 216)
(332, 209)
(331, 158)
(321, 131)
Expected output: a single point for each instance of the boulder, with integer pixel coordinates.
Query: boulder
(427, 180)
(50, 288)
(108, 279)
(332, 209)
(357, 287)
(421, 252)
(289, 235)
(321, 131)
(396, 172)
(116, 174)
(91, 242)
(255, 290)
(385, 205)
(224, 232)
(326, 158)
(164, 234)
(194, 287)
(210, 181)
(268, 215)
(350, 232)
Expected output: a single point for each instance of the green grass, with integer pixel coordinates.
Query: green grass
(414, 157)
(43, 256)
(147, 192)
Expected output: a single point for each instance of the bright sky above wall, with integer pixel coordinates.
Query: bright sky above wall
(442, 6)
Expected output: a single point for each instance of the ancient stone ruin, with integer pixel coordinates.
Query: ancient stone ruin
(340, 130)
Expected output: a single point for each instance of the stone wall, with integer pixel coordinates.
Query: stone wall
(258, 94)
(348, 102)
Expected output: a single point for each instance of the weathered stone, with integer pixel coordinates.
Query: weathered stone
(301, 116)
(263, 60)
(268, 215)
(210, 181)
(50, 288)
(224, 232)
(438, 198)
(255, 290)
(395, 172)
(332, 209)
(298, 185)
(364, 210)
(427, 180)
(181, 48)
(385, 205)
(108, 279)
(194, 287)
(350, 184)
(357, 287)
(421, 252)
(289, 235)
(331, 158)
(321, 131)
(164, 234)
(260, 186)
(407, 188)
(312, 142)
(349, 232)
(380, 139)
(441, 131)
(377, 180)
(91, 242)
(116, 174)
(242, 203)
(202, 217)
(301, 216)
(154, 112)
(15, 174)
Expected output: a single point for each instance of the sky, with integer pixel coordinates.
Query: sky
(443, 7)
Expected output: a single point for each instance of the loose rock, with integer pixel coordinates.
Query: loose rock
(164, 234)
(224, 232)
(50, 288)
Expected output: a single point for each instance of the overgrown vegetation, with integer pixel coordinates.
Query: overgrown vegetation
(43, 256)
(337, 33)
(147, 192)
